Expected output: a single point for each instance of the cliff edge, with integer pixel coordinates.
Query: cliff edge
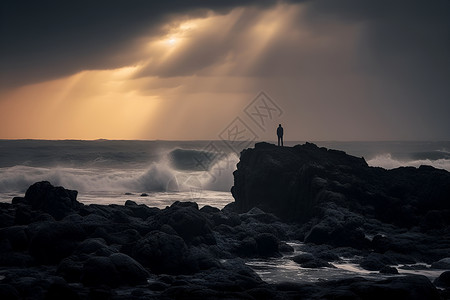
(305, 181)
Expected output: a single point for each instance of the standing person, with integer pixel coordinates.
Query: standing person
(280, 134)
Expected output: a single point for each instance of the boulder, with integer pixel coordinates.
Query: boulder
(388, 270)
(98, 271)
(189, 223)
(53, 241)
(131, 272)
(57, 201)
(8, 292)
(307, 260)
(161, 252)
(443, 264)
(267, 245)
(443, 280)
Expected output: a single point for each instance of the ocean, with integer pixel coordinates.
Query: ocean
(157, 173)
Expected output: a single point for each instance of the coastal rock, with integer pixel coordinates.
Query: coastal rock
(189, 222)
(161, 252)
(99, 271)
(57, 201)
(135, 252)
(296, 183)
(53, 241)
(131, 272)
(442, 264)
(388, 270)
(307, 260)
(443, 280)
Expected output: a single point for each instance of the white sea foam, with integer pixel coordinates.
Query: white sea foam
(388, 162)
(159, 176)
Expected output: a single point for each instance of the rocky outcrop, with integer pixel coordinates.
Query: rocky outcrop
(305, 181)
(56, 201)
(61, 251)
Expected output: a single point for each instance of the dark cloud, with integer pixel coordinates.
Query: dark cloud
(46, 39)
(386, 61)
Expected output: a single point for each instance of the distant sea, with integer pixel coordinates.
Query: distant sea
(157, 173)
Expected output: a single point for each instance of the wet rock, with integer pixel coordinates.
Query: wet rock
(98, 271)
(307, 260)
(443, 280)
(247, 248)
(16, 259)
(298, 183)
(267, 245)
(130, 271)
(8, 292)
(398, 287)
(285, 248)
(188, 222)
(57, 201)
(161, 252)
(372, 265)
(16, 236)
(70, 269)
(442, 264)
(61, 290)
(53, 241)
(388, 270)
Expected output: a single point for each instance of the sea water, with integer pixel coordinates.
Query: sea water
(158, 173)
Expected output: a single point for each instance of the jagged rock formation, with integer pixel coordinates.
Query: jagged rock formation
(305, 181)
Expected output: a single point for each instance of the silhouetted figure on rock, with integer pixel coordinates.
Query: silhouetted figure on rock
(280, 134)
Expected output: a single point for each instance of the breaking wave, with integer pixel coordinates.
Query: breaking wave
(387, 161)
(162, 175)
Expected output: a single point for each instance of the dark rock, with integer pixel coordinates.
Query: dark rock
(201, 258)
(101, 293)
(375, 262)
(443, 264)
(188, 222)
(144, 195)
(17, 237)
(443, 280)
(210, 210)
(388, 270)
(90, 246)
(16, 259)
(295, 182)
(267, 245)
(307, 260)
(397, 287)
(8, 292)
(339, 228)
(372, 264)
(415, 267)
(285, 248)
(53, 241)
(161, 252)
(57, 201)
(24, 215)
(381, 243)
(130, 271)
(70, 269)
(99, 271)
(247, 248)
(61, 290)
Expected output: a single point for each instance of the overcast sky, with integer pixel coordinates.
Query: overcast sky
(177, 70)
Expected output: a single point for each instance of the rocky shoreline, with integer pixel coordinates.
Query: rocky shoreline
(53, 247)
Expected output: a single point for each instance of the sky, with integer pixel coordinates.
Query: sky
(344, 70)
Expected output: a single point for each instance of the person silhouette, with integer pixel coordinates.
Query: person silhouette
(280, 134)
